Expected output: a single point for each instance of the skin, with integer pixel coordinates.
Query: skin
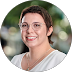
(40, 44)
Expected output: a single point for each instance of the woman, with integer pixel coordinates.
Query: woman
(36, 31)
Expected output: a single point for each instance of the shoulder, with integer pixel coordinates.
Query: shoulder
(53, 59)
(17, 58)
(58, 56)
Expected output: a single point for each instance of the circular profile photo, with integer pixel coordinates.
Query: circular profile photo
(35, 36)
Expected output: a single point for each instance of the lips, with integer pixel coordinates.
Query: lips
(31, 38)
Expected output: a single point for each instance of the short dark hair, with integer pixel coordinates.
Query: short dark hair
(45, 15)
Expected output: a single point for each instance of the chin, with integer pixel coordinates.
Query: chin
(31, 45)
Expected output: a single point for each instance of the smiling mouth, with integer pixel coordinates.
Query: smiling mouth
(31, 38)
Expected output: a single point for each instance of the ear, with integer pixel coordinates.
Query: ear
(50, 31)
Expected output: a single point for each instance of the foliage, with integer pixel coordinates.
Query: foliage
(12, 18)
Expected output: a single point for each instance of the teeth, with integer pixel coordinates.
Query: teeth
(31, 37)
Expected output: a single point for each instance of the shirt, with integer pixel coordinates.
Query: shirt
(50, 61)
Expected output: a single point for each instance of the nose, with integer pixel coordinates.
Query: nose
(30, 29)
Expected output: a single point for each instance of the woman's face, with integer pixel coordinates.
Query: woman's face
(31, 37)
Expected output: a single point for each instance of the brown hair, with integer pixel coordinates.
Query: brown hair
(43, 13)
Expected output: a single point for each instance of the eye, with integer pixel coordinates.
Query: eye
(24, 25)
(36, 25)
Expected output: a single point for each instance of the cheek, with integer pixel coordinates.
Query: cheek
(42, 33)
(21, 31)
(23, 35)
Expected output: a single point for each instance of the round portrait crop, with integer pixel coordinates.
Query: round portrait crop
(36, 36)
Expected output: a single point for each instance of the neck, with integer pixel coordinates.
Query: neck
(38, 51)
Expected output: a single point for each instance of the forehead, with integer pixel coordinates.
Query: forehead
(32, 17)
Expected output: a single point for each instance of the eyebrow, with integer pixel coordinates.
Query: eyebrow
(24, 22)
(35, 22)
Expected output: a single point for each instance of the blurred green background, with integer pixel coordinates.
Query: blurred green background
(11, 41)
